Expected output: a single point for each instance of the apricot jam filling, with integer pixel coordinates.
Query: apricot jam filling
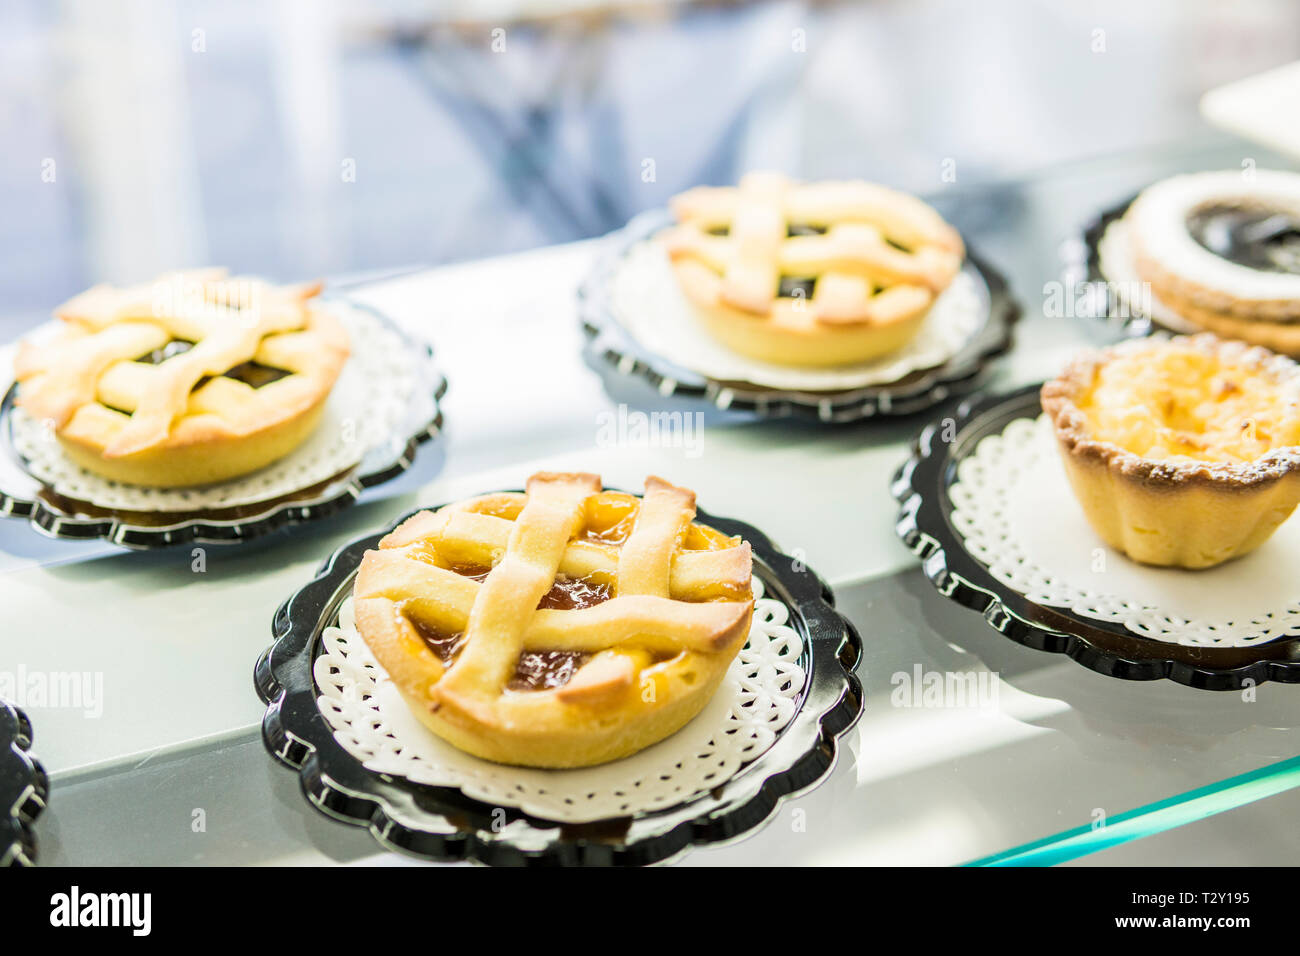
(535, 670)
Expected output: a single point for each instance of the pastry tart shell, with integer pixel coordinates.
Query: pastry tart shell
(1189, 525)
(653, 649)
(192, 458)
(203, 449)
(1191, 515)
(547, 736)
(796, 339)
(878, 258)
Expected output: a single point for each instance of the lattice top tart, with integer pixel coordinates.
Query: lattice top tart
(810, 274)
(194, 378)
(562, 627)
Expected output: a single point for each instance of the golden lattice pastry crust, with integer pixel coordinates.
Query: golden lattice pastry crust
(1183, 452)
(874, 259)
(641, 613)
(191, 379)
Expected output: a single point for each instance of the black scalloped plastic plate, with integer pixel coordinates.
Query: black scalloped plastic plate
(610, 342)
(56, 516)
(24, 788)
(443, 824)
(925, 526)
(1127, 321)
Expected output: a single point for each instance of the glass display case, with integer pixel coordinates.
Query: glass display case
(136, 667)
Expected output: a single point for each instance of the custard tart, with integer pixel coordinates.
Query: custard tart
(560, 627)
(812, 275)
(194, 378)
(1183, 452)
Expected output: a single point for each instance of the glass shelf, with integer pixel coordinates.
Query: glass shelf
(172, 769)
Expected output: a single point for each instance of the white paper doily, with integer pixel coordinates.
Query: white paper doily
(646, 300)
(757, 698)
(368, 401)
(1016, 513)
(1115, 259)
